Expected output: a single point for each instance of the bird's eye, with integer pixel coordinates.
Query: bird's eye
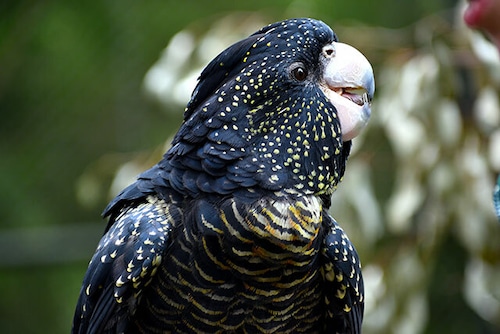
(299, 72)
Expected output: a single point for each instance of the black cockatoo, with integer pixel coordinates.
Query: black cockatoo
(230, 231)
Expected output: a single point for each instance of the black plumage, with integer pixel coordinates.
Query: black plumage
(230, 232)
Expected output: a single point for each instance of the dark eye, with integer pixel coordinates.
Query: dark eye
(299, 72)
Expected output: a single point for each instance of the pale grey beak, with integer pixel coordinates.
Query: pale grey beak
(349, 84)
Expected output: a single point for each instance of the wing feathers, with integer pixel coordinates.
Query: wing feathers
(125, 262)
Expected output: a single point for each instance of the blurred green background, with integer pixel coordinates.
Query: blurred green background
(80, 115)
